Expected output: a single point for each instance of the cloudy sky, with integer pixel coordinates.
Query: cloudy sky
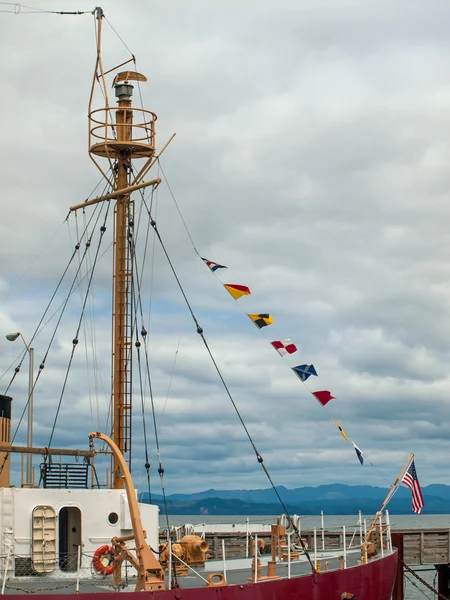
(311, 158)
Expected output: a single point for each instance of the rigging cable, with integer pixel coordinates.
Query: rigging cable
(75, 340)
(170, 381)
(77, 246)
(135, 299)
(158, 449)
(258, 455)
(80, 288)
(42, 364)
(17, 10)
(262, 331)
(144, 335)
(177, 207)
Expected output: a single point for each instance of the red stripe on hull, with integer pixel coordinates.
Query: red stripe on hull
(373, 581)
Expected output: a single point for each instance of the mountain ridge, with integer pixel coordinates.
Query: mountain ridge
(333, 499)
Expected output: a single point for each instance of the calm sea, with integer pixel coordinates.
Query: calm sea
(414, 590)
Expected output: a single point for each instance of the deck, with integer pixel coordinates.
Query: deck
(420, 547)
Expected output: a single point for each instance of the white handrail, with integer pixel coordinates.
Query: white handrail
(360, 528)
(388, 531)
(224, 560)
(381, 535)
(6, 570)
(315, 548)
(323, 531)
(247, 538)
(345, 546)
(289, 555)
(170, 563)
(256, 558)
(78, 568)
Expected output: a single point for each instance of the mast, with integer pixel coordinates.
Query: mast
(389, 495)
(123, 275)
(120, 137)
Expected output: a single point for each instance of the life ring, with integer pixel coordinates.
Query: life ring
(103, 560)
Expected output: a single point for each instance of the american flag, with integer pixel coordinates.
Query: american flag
(410, 480)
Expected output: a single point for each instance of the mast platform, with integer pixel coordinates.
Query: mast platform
(133, 135)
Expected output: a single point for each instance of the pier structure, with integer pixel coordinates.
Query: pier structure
(422, 548)
(417, 548)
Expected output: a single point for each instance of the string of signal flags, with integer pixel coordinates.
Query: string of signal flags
(323, 397)
(284, 348)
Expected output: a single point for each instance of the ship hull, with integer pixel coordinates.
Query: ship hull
(373, 581)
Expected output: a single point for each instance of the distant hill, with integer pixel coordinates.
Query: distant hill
(333, 499)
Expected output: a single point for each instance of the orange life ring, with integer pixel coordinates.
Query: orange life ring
(101, 555)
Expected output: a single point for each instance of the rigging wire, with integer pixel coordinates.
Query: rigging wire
(75, 340)
(17, 10)
(135, 299)
(36, 258)
(201, 333)
(132, 55)
(158, 449)
(177, 207)
(38, 327)
(46, 310)
(239, 308)
(170, 381)
(89, 334)
(36, 332)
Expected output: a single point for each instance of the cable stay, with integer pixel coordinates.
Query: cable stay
(75, 340)
(18, 9)
(200, 331)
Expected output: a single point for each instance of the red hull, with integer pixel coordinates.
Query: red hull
(373, 581)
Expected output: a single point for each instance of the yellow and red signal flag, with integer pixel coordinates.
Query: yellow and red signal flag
(261, 320)
(237, 290)
(344, 435)
(284, 347)
(323, 396)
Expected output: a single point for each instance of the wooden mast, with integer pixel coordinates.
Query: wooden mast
(389, 495)
(123, 275)
(120, 141)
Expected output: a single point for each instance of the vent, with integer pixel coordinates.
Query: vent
(64, 475)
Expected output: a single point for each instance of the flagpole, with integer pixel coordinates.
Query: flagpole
(390, 494)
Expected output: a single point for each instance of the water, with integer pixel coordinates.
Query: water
(414, 590)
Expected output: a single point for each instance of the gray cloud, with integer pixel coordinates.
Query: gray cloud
(311, 158)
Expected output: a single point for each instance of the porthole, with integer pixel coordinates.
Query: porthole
(113, 518)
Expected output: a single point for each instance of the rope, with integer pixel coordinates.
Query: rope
(263, 333)
(36, 331)
(170, 380)
(259, 458)
(17, 10)
(136, 299)
(75, 340)
(155, 428)
(178, 208)
(132, 55)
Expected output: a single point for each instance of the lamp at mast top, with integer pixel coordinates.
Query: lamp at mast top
(127, 130)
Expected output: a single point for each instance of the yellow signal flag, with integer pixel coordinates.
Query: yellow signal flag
(261, 320)
(237, 290)
(344, 435)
